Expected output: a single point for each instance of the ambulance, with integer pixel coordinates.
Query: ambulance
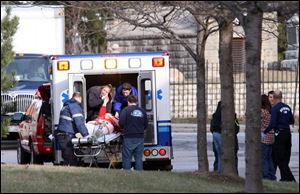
(147, 71)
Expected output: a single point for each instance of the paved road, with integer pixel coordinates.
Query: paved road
(185, 155)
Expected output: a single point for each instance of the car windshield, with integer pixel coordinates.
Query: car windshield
(29, 69)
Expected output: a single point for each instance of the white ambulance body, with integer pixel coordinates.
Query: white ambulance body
(147, 71)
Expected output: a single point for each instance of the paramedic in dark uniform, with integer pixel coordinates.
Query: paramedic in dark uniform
(71, 121)
(133, 121)
(281, 119)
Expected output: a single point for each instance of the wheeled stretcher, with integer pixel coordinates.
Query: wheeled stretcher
(93, 150)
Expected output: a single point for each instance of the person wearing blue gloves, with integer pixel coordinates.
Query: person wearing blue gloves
(120, 100)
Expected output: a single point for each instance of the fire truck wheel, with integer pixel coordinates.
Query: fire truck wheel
(22, 156)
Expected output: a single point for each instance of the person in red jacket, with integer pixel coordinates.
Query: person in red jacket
(103, 125)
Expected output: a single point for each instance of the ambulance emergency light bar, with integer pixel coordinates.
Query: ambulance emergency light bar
(63, 65)
(86, 64)
(109, 63)
(158, 62)
(134, 63)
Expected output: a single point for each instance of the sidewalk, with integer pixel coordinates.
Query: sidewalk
(191, 127)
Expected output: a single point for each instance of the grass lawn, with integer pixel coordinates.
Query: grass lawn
(59, 179)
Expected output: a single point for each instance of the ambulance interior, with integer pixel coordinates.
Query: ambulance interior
(115, 80)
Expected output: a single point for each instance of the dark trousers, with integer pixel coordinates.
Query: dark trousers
(274, 158)
(133, 147)
(67, 150)
(236, 149)
(216, 157)
(217, 152)
(282, 151)
(268, 170)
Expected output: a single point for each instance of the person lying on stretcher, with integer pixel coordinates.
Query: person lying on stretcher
(103, 125)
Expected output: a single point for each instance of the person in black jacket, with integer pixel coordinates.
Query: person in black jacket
(98, 96)
(215, 128)
(71, 121)
(133, 121)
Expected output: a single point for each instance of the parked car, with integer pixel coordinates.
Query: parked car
(34, 143)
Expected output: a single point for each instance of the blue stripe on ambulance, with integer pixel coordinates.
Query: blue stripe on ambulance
(164, 133)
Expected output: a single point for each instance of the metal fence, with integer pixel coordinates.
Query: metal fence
(183, 88)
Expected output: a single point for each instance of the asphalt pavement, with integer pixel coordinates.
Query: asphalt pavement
(187, 128)
(191, 127)
(185, 151)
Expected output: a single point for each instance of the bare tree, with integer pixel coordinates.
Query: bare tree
(250, 15)
(253, 30)
(73, 36)
(84, 27)
(225, 19)
(160, 15)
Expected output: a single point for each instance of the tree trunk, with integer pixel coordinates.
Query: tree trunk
(73, 36)
(253, 30)
(227, 97)
(201, 105)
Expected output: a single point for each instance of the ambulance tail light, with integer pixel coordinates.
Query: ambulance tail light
(110, 63)
(154, 152)
(162, 152)
(63, 65)
(158, 62)
(147, 152)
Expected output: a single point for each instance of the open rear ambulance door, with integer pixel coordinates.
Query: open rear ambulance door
(77, 83)
(147, 100)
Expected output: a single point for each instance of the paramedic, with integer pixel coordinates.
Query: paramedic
(281, 119)
(120, 100)
(133, 121)
(71, 121)
(99, 99)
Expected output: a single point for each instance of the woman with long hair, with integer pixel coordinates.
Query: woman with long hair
(268, 170)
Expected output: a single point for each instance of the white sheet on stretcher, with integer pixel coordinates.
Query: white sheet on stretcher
(109, 137)
(102, 133)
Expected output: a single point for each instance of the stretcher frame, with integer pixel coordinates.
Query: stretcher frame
(92, 150)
